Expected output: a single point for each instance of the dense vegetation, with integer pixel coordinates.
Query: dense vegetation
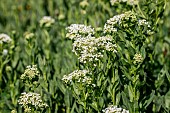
(85, 56)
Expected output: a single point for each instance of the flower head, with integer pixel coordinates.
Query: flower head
(77, 30)
(4, 38)
(28, 35)
(78, 76)
(5, 52)
(84, 3)
(129, 2)
(91, 49)
(27, 100)
(113, 24)
(114, 109)
(138, 58)
(145, 23)
(46, 21)
(30, 73)
(13, 111)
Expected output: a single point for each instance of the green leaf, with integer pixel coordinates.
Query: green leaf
(101, 102)
(67, 98)
(167, 100)
(148, 101)
(167, 73)
(126, 102)
(131, 93)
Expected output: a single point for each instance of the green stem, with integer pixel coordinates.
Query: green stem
(140, 11)
(1, 66)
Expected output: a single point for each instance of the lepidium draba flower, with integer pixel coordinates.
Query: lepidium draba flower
(28, 35)
(77, 30)
(78, 76)
(46, 21)
(114, 109)
(13, 111)
(90, 49)
(31, 75)
(4, 38)
(125, 22)
(129, 2)
(31, 100)
(137, 58)
(113, 24)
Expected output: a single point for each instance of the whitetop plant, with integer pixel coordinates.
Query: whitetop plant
(47, 21)
(129, 2)
(112, 25)
(30, 73)
(27, 109)
(126, 20)
(84, 3)
(77, 30)
(5, 52)
(78, 76)
(31, 100)
(138, 58)
(91, 49)
(114, 109)
(28, 35)
(143, 22)
(4, 38)
(13, 111)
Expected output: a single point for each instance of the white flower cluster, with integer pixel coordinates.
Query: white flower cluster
(4, 38)
(126, 20)
(138, 58)
(28, 35)
(114, 109)
(5, 52)
(112, 25)
(84, 3)
(77, 30)
(144, 23)
(79, 76)
(129, 2)
(13, 111)
(30, 73)
(46, 21)
(28, 100)
(91, 49)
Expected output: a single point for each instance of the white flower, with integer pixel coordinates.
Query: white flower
(114, 109)
(28, 35)
(138, 58)
(143, 22)
(79, 76)
(77, 30)
(13, 111)
(84, 3)
(132, 2)
(30, 73)
(91, 49)
(46, 21)
(27, 109)
(129, 2)
(112, 25)
(5, 52)
(31, 99)
(5, 38)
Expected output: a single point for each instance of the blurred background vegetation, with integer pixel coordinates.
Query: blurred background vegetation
(54, 57)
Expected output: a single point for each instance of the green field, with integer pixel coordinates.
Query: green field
(84, 56)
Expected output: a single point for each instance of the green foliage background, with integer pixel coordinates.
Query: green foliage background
(54, 57)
